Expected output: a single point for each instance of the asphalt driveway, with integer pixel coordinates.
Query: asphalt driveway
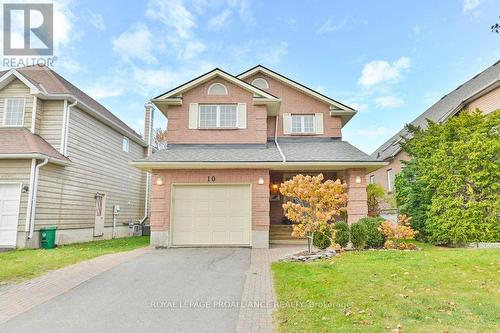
(174, 290)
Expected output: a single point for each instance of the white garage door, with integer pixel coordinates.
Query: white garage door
(211, 215)
(10, 195)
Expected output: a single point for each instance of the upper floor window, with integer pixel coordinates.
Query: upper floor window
(125, 144)
(303, 123)
(260, 83)
(390, 180)
(217, 89)
(218, 116)
(13, 113)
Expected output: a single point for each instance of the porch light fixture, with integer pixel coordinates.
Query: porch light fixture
(261, 180)
(159, 180)
(358, 180)
(275, 186)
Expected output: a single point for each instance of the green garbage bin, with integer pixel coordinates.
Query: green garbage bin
(48, 237)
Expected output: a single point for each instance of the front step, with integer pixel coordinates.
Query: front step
(282, 234)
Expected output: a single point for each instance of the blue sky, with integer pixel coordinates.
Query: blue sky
(389, 59)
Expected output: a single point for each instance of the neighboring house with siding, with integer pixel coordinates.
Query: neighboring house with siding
(232, 140)
(64, 161)
(481, 92)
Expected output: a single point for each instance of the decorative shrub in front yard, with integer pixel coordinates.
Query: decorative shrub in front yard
(312, 204)
(374, 238)
(359, 235)
(341, 233)
(451, 187)
(397, 234)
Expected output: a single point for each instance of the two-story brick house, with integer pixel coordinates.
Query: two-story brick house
(231, 141)
(64, 162)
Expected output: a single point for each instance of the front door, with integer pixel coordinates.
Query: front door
(100, 210)
(10, 195)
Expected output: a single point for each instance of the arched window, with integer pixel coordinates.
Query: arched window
(260, 83)
(217, 89)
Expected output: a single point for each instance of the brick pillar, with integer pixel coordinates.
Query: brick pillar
(357, 203)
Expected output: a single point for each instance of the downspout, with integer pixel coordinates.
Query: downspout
(33, 114)
(33, 198)
(30, 194)
(149, 150)
(276, 140)
(67, 115)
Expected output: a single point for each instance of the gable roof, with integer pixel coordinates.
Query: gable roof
(446, 107)
(49, 82)
(172, 93)
(336, 108)
(19, 141)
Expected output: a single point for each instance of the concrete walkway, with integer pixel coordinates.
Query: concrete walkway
(174, 290)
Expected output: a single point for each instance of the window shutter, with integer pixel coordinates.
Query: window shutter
(318, 118)
(287, 123)
(193, 115)
(242, 115)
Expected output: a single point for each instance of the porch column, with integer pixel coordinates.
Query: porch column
(357, 201)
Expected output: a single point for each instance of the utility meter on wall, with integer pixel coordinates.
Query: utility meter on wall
(116, 209)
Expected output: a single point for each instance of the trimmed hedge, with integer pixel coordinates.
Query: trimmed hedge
(359, 235)
(374, 237)
(322, 239)
(342, 233)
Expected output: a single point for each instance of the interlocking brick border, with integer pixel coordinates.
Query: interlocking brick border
(259, 287)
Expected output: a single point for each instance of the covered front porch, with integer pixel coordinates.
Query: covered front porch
(280, 227)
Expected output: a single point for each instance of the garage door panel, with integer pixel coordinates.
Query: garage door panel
(219, 215)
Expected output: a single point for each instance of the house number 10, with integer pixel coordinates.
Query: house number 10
(211, 179)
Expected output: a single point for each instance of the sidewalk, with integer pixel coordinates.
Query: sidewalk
(19, 298)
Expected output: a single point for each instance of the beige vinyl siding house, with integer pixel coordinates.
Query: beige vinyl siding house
(78, 147)
(481, 92)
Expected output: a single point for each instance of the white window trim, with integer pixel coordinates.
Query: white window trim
(260, 79)
(217, 125)
(125, 139)
(389, 181)
(5, 111)
(217, 84)
(302, 121)
(372, 179)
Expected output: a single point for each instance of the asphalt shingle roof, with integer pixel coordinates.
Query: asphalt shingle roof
(295, 150)
(22, 141)
(442, 108)
(53, 83)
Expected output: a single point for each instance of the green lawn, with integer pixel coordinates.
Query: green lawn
(433, 290)
(25, 264)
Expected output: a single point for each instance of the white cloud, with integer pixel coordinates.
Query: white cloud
(135, 44)
(97, 21)
(274, 55)
(173, 14)
(105, 87)
(358, 106)
(219, 21)
(389, 102)
(191, 50)
(378, 71)
(331, 26)
(470, 5)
